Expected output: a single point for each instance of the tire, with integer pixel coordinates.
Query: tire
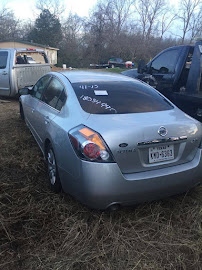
(53, 175)
(22, 116)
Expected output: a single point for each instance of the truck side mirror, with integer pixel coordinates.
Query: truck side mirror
(141, 66)
(25, 91)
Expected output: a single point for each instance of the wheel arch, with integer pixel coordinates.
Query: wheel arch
(46, 145)
(21, 109)
(48, 141)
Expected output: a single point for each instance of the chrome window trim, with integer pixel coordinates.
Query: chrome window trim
(165, 140)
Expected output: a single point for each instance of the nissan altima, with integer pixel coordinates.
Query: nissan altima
(111, 140)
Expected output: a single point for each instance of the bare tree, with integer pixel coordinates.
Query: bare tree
(25, 27)
(118, 13)
(71, 45)
(95, 29)
(9, 25)
(106, 25)
(190, 16)
(166, 22)
(72, 26)
(56, 7)
(149, 13)
(196, 26)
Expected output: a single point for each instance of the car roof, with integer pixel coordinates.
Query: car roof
(95, 76)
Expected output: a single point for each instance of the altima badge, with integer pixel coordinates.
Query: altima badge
(162, 131)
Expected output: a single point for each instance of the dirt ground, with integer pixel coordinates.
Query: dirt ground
(43, 230)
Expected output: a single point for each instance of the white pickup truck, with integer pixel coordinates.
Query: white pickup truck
(21, 68)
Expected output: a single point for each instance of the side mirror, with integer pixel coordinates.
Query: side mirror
(25, 91)
(164, 70)
(141, 67)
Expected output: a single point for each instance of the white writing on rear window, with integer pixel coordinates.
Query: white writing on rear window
(98, 102)
(92, 86)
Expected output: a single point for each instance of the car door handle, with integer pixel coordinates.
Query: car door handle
(47, 120)
(4, 73)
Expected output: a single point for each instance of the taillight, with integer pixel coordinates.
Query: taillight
(89, 145)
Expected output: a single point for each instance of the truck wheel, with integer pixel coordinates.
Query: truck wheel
(53, 170)
(22, 116)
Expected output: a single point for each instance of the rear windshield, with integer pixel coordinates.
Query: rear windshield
(31, 57)
(119, 97)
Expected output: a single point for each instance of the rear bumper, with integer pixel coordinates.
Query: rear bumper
(103, 184)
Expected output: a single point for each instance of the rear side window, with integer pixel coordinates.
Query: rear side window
(53, 94)
(40, 86)
(61, 101)
(165, 63)
(119, 97)
(3, 59)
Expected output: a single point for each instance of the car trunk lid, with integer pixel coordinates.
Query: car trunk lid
(136, 144)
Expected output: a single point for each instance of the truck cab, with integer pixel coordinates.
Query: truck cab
(4, 72)
(164, 71)
(176, 73)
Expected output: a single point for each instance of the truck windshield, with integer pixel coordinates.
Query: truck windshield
(119, 97)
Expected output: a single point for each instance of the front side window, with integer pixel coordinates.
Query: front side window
(165, 63)
(52, 94)
(3, 59)
(119, 97)
(40, 87)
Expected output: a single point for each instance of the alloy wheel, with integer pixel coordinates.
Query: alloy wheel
(51, 166)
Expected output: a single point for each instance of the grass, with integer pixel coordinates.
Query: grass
(43, 230)
(114, 70)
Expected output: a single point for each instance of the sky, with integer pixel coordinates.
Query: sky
(25, 9)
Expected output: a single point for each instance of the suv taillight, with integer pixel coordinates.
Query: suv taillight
(89, 145)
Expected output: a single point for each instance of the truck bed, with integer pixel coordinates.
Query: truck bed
(28, 75)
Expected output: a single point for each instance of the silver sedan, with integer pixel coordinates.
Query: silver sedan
(110, 140)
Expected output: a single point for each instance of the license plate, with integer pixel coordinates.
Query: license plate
(161, 153)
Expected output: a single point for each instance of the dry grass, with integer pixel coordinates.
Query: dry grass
(43, 230)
